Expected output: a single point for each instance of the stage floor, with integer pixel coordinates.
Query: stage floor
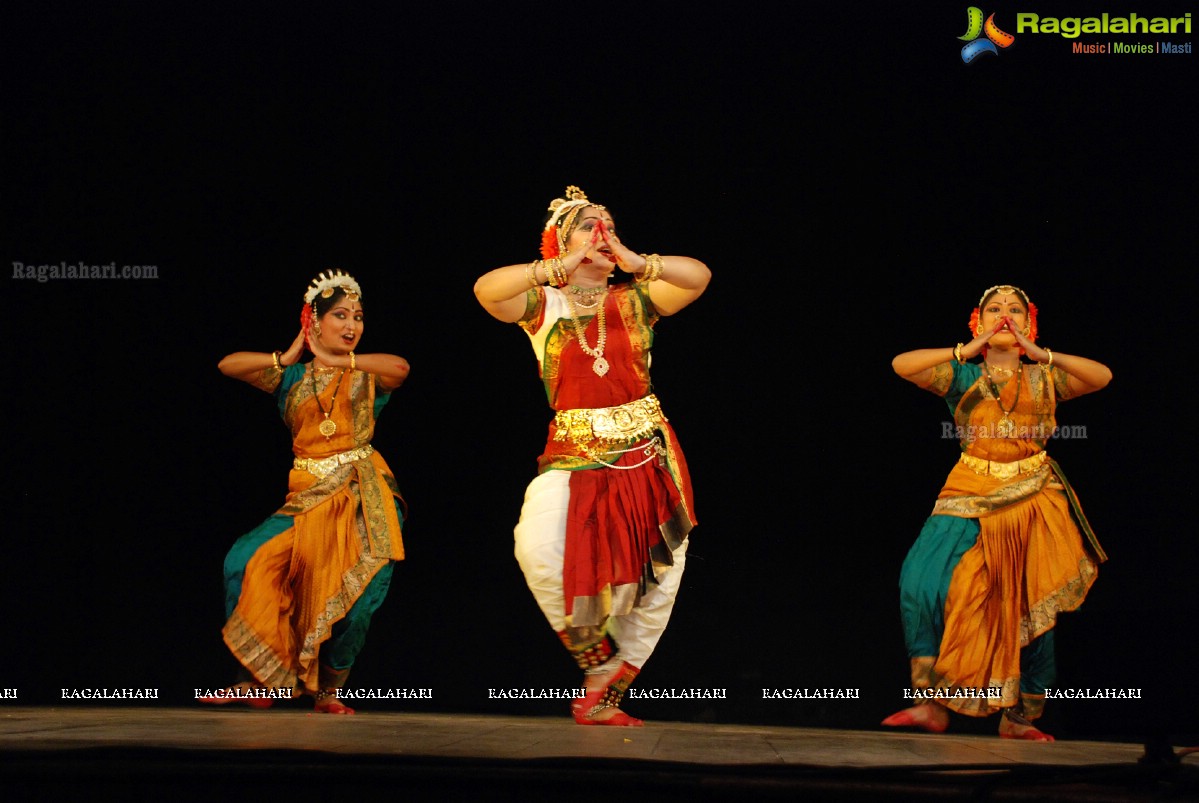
(179, 752)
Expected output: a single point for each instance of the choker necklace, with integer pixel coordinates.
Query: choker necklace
(1006, 427)
(328, 426)
(599, 365)
(585, 297)
(995, 369)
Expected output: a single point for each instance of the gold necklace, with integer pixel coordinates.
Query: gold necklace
(328, 426)
(587, 294)
(1006, 427)
(599, 365)
(995, 369)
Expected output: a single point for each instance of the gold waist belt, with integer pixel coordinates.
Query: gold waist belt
(1004, 471)
(626, 422)
(322, 467)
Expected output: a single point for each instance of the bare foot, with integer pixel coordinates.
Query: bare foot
(611, 716)
(332, 707)
(587, 711)
(328, 703)
(1014, 726)
(930, 717)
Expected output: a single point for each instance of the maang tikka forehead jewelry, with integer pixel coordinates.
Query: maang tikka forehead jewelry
(1005, 289)
(1030, 324)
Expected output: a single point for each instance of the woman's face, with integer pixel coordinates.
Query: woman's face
(998, 306)
(341, 326)
(599, 253)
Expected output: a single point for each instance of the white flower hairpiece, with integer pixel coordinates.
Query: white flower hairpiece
(326, 285)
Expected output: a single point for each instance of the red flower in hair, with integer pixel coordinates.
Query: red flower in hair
(549, 243)
(306, 319)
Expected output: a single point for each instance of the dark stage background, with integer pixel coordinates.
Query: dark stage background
(851, 182)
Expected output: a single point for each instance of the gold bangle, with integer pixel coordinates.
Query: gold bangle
(275, 357)
(353, 362)
(957, 354)
(531, 272)
(1049, 362)
(653, 268)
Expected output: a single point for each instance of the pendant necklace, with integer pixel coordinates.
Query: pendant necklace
(1006, 427)
(586, 296)
(599, 365)
(328, 426)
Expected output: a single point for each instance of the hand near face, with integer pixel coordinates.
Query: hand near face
(578, 254)
(318, 349)
(975, 346)
(626, 260)
(1033, 351)
(294, 351)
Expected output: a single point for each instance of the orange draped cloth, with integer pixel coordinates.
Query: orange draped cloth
(1027, 565)
(1035, 554)
(345, 528)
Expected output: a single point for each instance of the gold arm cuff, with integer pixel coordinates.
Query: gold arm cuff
(322, 467)
(1004, 471)
(626, 422)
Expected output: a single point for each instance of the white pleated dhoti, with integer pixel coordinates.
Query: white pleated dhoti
(540, 546)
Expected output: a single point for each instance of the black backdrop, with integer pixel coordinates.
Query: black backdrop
(853, 185)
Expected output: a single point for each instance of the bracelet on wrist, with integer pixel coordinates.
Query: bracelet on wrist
(556, 272)
(275, 357)
(653, 268)
(957, 354)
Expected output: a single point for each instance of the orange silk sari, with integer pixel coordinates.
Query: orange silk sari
(345, 528)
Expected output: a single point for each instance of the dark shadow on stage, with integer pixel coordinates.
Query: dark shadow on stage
(185, 775)
(183, 755)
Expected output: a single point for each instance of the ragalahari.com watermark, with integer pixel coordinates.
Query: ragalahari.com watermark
(1092, 694)
(58, 271)
(810, 694)
(110, 694)
(677, 694)
(955, 693)
(1035, 432)
(536, 694)
(385, 694)
(246, 693)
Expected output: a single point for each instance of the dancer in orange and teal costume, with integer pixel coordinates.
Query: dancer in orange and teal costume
(301, 588)
(603, 532)
(1007, 547)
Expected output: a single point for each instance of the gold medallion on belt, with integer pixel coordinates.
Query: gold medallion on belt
(626, 422)
(324, 466)
(1004, 471)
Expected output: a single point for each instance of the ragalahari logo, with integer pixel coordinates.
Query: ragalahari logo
(975, 26)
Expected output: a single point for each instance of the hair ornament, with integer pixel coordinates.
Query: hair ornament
(1030, 330)
(326, 284)
(563, 212)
